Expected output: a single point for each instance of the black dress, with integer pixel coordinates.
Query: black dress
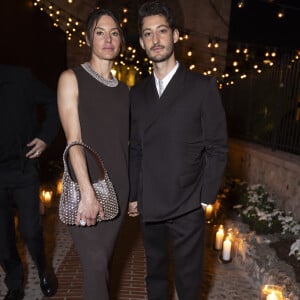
(104, 121)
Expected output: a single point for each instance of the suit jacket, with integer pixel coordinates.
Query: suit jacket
(20, 96)
(178, 145)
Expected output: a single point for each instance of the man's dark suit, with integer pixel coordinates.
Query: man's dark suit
(178, 152)
(20, 94)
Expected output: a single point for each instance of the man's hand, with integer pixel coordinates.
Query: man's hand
(132, 209)
(37, 147)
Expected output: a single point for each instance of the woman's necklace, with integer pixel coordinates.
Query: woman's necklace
(108, 82)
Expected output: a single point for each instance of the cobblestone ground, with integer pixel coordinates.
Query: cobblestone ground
(221, 281)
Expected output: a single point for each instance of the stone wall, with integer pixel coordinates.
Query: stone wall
(278, 171)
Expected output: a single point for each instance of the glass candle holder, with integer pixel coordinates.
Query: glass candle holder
(272, 292)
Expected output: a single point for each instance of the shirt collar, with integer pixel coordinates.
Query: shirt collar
(167, 78)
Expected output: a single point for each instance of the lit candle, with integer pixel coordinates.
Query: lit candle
(219, 238)
(59, 187)
(47, 196)
(272, 296)
(272, 292)
(226, 254)
(208, 211)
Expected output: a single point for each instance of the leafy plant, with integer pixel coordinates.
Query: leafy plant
(257, 208)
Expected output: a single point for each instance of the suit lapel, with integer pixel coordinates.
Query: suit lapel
(172, 92)
(175, 86)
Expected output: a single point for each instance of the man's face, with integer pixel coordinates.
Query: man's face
(157, 38)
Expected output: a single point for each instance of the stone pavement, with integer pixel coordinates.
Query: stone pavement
(221, 281)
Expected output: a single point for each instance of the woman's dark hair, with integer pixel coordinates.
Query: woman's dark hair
(155, 8)
(93, 19)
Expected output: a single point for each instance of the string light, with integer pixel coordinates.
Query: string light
(209, 44)
(251, 56)
(280, 14)
(216, 45)
(241, 4)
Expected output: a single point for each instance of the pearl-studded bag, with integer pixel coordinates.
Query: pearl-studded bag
(70, 196)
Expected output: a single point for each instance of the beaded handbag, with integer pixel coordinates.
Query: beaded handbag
(70, 196)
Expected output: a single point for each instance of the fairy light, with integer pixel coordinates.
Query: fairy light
(241, 4)
(73, 28)
(280, 14)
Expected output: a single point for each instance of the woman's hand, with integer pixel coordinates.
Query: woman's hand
(132, 209)
(88, 210)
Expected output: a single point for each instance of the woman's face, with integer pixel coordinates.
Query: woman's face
(106, 39)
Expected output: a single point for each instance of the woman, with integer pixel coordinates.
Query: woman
(94, 108)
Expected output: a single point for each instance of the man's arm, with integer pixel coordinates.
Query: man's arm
(135, 160)
(215, 139)
(46, 98)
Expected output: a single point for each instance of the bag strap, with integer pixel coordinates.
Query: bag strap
(92, 151)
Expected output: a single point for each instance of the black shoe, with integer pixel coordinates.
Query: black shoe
(48, 283)
(17, 294)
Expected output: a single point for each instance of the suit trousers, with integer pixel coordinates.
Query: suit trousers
(186, 234)
(19, 192)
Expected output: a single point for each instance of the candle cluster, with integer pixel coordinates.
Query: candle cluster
(224, 243)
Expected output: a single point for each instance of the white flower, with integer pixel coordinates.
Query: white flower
(295, 249)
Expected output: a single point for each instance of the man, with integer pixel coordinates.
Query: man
(21, 144)
(178, 152)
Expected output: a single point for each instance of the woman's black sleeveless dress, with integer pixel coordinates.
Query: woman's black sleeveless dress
(104, 121)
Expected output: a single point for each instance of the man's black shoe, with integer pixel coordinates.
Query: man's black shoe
(16, 294)
(48, 283)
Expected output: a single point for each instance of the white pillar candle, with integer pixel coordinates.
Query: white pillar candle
(219, 238)
(226, 254)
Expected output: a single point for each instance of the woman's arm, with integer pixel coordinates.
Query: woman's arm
(67, 97)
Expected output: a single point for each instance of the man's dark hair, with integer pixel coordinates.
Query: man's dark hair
(155, 8)
(92, 20)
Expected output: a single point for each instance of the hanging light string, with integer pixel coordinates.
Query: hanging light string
(241, 58)
(281, 9)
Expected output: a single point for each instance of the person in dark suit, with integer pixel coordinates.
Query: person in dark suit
(178, 152)
(22, 142)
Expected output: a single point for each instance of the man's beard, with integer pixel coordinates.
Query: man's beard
(161, 58)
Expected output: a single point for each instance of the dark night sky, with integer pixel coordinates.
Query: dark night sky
(257, 23)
